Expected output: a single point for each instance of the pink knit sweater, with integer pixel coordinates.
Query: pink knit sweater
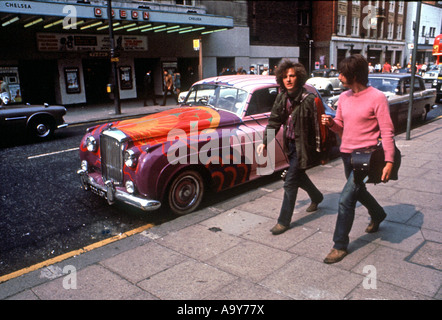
(362, 118)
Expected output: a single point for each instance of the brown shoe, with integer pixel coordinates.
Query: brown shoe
(278, 229)
(374, 225)
(335, 255)
(314, 206)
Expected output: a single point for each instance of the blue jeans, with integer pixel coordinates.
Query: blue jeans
(354, 190)
(295, 178)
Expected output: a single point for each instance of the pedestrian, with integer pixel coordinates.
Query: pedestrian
(168, 86)
(362, 117)
(386, 68)
(149, 92)
(295, 109)
(177, 83)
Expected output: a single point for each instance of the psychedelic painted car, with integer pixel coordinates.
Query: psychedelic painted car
(174, 156)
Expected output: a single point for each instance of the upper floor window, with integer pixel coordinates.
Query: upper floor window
(390, 31)
(342, 24)
(399, 28)
(400, 7)
(355, 26)
(392, 5)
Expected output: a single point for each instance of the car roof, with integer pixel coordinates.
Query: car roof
(392, 75)
(245, 82)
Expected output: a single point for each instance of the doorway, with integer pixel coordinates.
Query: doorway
(38, 81)
(97, 74)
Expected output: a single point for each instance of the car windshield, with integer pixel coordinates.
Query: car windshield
(384, 84)
(218, 97)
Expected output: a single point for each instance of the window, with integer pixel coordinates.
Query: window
(400, 7)
(390, 31)
(399, 32)
(184, 2)
(262, 101)
(342, 24)
(423, 31)
(392, 4)
(355, 26)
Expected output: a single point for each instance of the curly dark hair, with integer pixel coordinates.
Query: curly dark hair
(300, 72)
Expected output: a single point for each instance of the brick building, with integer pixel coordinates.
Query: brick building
(375, 29)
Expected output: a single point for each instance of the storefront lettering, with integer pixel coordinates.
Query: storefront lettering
(123, 14)
(18, 5)
(195, 19)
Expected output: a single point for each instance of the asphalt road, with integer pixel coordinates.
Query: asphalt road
(44, 213)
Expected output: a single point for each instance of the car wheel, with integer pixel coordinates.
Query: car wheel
(186, 192)
(41, 128)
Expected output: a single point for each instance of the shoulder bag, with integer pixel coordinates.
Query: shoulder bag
(368, 163)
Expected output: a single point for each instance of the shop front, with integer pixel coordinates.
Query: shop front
(59, 52)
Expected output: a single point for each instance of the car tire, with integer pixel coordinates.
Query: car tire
(186, 192)
(41, 128)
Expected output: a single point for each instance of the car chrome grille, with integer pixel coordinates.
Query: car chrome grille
(111, 145)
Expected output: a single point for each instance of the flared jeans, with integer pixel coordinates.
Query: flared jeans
(295, 178)
(354, 190)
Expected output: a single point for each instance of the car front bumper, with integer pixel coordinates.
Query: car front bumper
(109, 192)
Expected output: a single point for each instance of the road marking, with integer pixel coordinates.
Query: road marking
(52, 153)
(71, 254)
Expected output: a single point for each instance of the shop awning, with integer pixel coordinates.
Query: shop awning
(81, 16)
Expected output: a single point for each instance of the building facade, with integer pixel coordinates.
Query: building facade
(375, 29)
(59, 51)
(430, 26)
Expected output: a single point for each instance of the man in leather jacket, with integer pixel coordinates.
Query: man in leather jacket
(295, 109)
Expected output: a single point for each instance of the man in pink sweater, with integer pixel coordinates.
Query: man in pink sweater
(362, 118)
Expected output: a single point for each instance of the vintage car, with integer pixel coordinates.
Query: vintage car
(174, 156)
(437, 84)
(396, 88)
(430, 76)
(326, 81)
(37, 121)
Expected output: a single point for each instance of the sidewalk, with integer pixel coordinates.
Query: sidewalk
(226, 252)
(106, 111)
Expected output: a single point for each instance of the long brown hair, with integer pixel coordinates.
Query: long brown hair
(300, 72)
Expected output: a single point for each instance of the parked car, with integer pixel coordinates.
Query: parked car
(430, 76)
(326, 81)
(437, 84)
(173, 156)
(396, 87)
(36, 121)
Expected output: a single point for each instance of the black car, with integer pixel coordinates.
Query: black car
(37, 121)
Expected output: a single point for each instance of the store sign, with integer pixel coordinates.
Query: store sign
(55, 42)
(123, 13)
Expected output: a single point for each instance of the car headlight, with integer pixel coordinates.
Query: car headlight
(91, 144)
(130, 159)
(130, 187)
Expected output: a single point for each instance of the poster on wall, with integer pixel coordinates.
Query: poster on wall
(54, 42)
(126, 78)
(72, 80)
(10, 85)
